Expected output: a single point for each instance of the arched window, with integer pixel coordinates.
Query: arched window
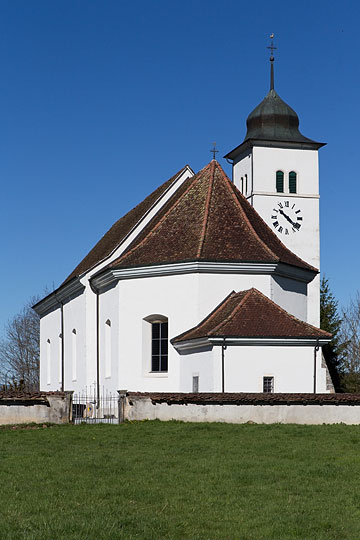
(48, 358)
(74, 353)
(159, 346)
(108, 348)
(155, 344)
(279, 182)
(292, 182)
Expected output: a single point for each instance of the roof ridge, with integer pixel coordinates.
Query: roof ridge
(162, 219)
(231, 315)
(207, 207)
(234, 196)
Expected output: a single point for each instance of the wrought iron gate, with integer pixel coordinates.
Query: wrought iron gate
(90, 409)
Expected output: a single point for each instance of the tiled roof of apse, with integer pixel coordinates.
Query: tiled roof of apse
(251, 314)
(207, 219)
(120, 229)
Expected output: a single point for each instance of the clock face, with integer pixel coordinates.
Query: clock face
(286, 217)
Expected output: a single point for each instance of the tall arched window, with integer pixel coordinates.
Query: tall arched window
(292, 182)
(74, 354)
(155, 344)
(159, 346)
(279, 182)
(108, 348)
(48, 359)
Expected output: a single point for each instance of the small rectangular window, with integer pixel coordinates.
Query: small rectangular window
(195, 384)
(268, 385)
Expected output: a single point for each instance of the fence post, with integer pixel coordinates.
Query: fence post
(121, 405)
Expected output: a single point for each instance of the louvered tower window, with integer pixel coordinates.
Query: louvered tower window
(279, 182)
(292, 182)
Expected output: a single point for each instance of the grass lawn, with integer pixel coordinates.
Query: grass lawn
(153, 480)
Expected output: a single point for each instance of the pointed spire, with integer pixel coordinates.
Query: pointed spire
(272, 48)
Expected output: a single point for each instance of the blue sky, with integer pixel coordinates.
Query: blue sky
(101, 101)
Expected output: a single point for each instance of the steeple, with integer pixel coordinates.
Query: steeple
(273, 120)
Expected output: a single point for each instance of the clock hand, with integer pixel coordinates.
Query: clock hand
(287, 218)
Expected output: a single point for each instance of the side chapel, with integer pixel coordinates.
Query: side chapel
(208, 285)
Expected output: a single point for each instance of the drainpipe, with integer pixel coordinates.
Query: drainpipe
(223, 349)
(96, 292)
(62, 384)
(316, 348)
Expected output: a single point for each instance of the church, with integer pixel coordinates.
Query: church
(210, 284)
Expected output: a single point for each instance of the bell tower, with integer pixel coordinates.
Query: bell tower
(276, 168)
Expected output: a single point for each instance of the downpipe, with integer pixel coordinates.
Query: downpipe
(316, 348)
(223, 349)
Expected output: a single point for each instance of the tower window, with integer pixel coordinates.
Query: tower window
(279, 182)
(242, 185)
(246, 184)
(292, 182)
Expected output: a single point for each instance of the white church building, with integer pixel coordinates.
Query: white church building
(208, 285)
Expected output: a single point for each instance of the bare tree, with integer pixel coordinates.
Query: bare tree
(350, 338)
(20, 349)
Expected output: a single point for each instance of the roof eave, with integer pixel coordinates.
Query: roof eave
(200, 342)
(60, 296)
(249, 143)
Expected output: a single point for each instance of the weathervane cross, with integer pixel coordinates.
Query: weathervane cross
(213, 150)
(272, 47)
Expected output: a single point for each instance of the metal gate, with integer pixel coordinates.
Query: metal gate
(90, 409)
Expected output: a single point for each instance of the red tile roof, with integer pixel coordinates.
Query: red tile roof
(250, 314)
(111, 240)
(207, 219)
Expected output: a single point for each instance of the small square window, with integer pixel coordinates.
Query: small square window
(268, 385)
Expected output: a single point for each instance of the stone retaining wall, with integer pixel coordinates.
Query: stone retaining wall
(243, 408)
(37, 407)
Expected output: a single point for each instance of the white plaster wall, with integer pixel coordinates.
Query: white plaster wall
(242, 166)
(291, 295)
(174, 297)
(75, 318)
(213, 288)
(245, 367)
(291, 367)
(268, 160)
(185, 300)
(201, 364)
(109, 310)
(50, 328)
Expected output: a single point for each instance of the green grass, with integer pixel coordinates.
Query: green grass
(153, 480)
